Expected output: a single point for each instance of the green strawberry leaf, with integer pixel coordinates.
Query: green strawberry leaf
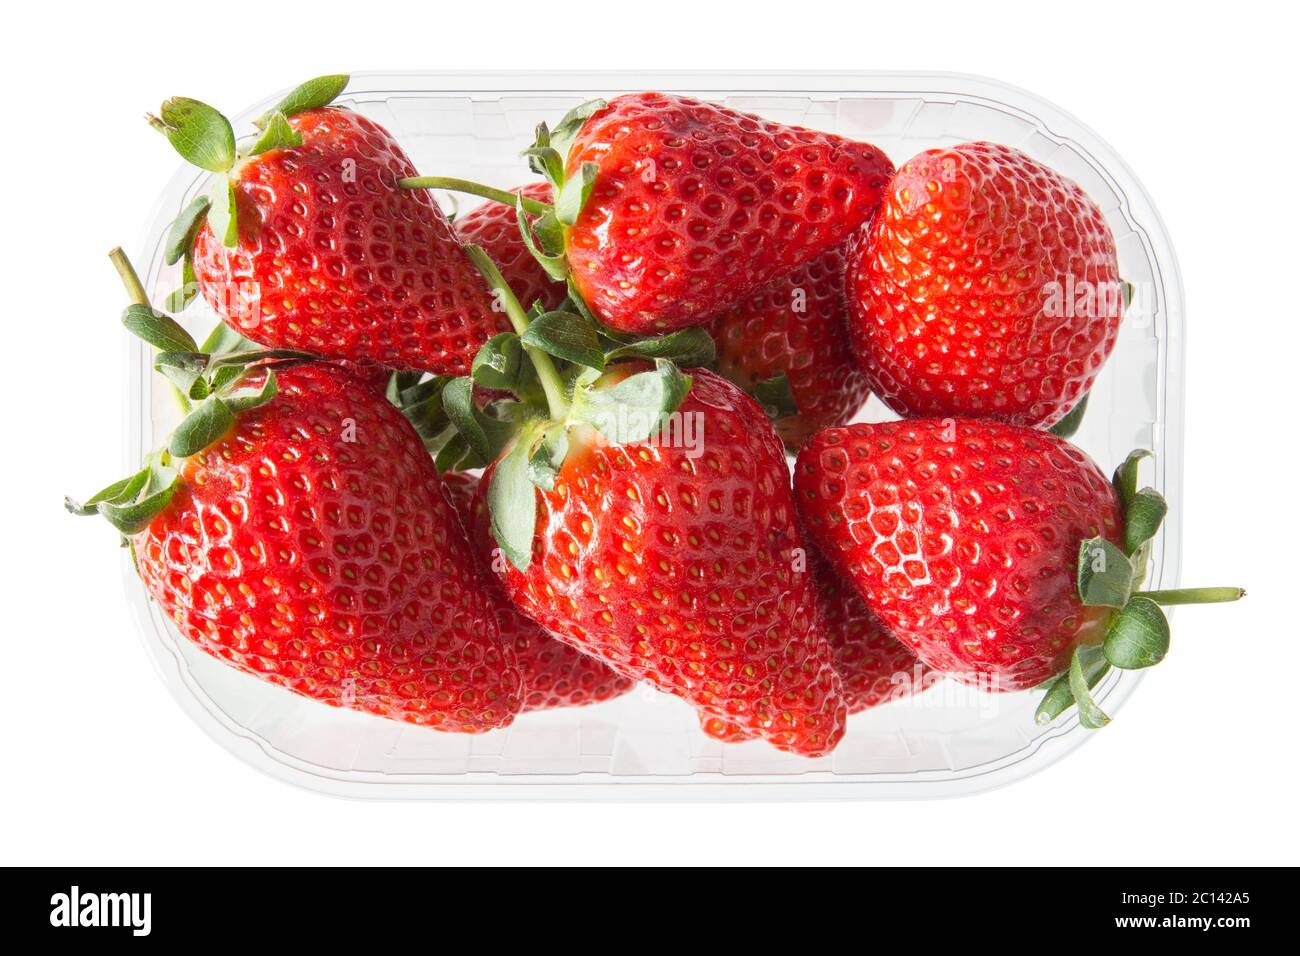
(567, 336)
(186, 225)
(1068, 425)
(276, 134)
(546, 162)
(312, 95)
(497, 363)
(1146, 510)
(198, 132)
(512, 504)
(567, 129)
(221, 214)
(637, 407)
(580, 306)
(776, 397)
(544, 238)
(611, 335)
(223, 339)
(132, 503)
(450, 454)
(1139, 635)
(256, 354)
(423, 408)
(135, 516)
(456, 455)
(158, 329)
(246, 398)
(413, 388)
(688, 348)
(1105, 575)
(484, 434)
(398, 383)
(1090, 715)
(545, 463)
(1059, 698)
(575, 192)
(205, 424)
(126, 489)
(185, 370)
(1126, 476)
(223, 376)
(178, 300)
(549, 233)
(198, 374)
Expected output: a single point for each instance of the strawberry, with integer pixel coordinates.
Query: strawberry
(495, 228)
(618, 529)
(988, 286)
(303, 240)
(873, 665)
(999, 554)
(554, 674)
(668, 210)
(787, 344)
(294, 527)
(723, 730)
(677, 570)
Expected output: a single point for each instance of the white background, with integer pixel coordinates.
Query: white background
(100, 766)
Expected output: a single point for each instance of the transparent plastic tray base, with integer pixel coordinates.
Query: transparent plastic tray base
(947, 741)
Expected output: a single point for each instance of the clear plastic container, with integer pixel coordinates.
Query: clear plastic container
(950, 740)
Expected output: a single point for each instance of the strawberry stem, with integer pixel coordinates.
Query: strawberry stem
(532, 206)
(552, 384)
(130, 279)
(138, 296)
(1194, 595)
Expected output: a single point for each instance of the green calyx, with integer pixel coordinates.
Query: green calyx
(131, 504)
(529, 445)
(541, 224)
(206, 139)
(776, 396)
(1068, 425)
(210, 385)
(314, 94)
(1108, 575)
(530, 390)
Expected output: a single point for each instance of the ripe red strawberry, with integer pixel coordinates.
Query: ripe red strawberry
(694, 206)
(988, 286)
(333, 568)
(493, 227)
(554, 674)
(962, 537)
(668, 210)
(376, 376)
(294, 527)
(795, 329)
(999, 554)
(723, 730)
(308, 243)
(874, 666)
(672, 561)
(646, 519)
